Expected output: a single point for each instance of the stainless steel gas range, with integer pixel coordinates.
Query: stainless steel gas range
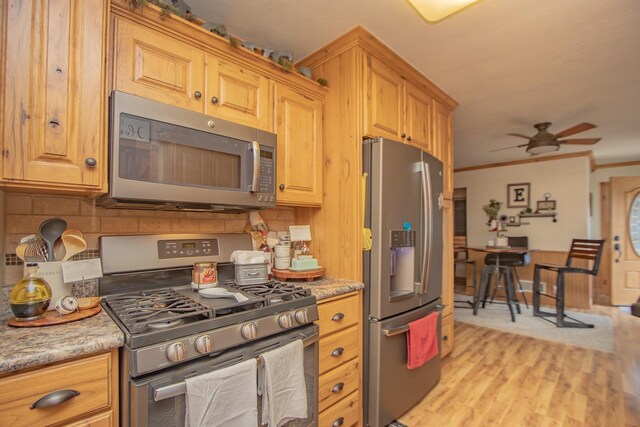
(172, 332)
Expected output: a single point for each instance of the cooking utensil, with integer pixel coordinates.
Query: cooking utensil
(59, 250)
(36, 250)
(73, 245)
(20, 251)
(50, 231)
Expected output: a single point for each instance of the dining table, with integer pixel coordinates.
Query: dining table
(498, 250)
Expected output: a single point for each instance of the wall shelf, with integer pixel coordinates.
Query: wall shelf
(540, 215)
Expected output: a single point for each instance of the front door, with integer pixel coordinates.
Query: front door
(625, 244)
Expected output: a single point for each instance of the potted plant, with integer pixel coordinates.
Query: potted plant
(492, 209)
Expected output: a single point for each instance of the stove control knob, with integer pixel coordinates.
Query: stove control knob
(249, 331)
(204, 344)
(285, 321)
(176, 352)
(302, 316)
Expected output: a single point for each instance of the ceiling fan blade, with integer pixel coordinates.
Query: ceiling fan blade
(519, 135)
(581, 141)
(508, 148)
(573, 130)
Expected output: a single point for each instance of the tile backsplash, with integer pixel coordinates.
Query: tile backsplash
(25, 212)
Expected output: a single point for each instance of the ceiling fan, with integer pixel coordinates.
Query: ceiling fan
(546, 142)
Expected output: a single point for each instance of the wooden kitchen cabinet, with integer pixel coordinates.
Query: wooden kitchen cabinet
(447, 337)
(157, 66)
(384, 101)
(238, 94)
(53, 108)
(94, 378)
(340, 359)
(419, 117)
(150, 64)
(396, 108)
(443, 145)
(299, 162)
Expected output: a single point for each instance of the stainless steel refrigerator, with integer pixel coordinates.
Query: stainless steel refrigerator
(402, 273)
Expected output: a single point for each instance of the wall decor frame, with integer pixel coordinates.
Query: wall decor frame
(518, 195)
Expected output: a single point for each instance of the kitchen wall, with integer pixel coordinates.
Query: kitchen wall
(566, 179)
(602, 175)
(23, 213)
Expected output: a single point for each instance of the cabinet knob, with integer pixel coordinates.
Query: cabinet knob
(337, 352)
(337, 317)
(409, 138)
(214, 100)
(338, 387)
(338, 422)
(404, 135)
(197, 94)
(281, 187)
(90, 162)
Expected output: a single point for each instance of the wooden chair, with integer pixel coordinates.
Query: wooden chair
(580, 249)
(460, 248)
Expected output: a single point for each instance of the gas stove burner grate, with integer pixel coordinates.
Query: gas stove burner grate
(156, 309)
(275, 292)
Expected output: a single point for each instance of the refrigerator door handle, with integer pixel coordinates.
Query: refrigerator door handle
(428, 210)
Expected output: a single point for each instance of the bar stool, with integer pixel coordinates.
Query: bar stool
(482, 292)
(512, 261)
(460, 247)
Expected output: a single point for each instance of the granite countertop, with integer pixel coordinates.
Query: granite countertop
(30, 347)
(328, 287)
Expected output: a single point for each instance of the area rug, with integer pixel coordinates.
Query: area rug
(496, 316)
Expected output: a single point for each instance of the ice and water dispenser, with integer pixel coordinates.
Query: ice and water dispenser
(403, 260)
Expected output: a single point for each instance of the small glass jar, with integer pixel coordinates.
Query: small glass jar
(205, 273)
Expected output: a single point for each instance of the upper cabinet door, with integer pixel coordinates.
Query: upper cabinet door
(443, 145)
(419, 116)
(158, 67)
(299, 163)
(53, 109)
(238, 94)
(383, 101)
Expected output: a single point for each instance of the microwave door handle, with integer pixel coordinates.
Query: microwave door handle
(256, 167)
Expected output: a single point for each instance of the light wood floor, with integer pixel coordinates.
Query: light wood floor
(494, 378)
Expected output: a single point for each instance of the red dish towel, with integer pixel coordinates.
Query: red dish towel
(422, 341)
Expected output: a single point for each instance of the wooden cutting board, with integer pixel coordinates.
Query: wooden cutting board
(307, 275)
(53, 318)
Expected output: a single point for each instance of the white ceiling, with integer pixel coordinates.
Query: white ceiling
(509, 63)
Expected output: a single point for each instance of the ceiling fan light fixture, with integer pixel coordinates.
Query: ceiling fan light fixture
(435, 10)
(542, 147)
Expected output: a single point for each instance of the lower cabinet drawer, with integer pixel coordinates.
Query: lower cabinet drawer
(446, 342)
(338, 348)
(336, 384)
(106, 419)
(343, 414)
(338, 314)
(85, 383)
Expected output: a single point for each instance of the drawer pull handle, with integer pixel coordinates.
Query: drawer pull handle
(337, 317)
(54, 398)
(336, 388)
(338, 422)
(337, 352)
(253, 274)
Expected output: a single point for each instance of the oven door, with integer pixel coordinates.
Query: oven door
(159, 399)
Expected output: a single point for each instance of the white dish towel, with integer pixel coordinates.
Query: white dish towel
(226, 397)
(282, 385)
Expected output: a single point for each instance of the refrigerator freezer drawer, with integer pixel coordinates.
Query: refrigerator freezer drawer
(392, 388)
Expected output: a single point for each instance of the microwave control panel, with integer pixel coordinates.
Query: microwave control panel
(266, 187)
(183, 248)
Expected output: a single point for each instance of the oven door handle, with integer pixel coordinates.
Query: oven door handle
(173, 390)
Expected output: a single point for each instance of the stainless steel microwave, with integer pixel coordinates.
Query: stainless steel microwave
(167, 158)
